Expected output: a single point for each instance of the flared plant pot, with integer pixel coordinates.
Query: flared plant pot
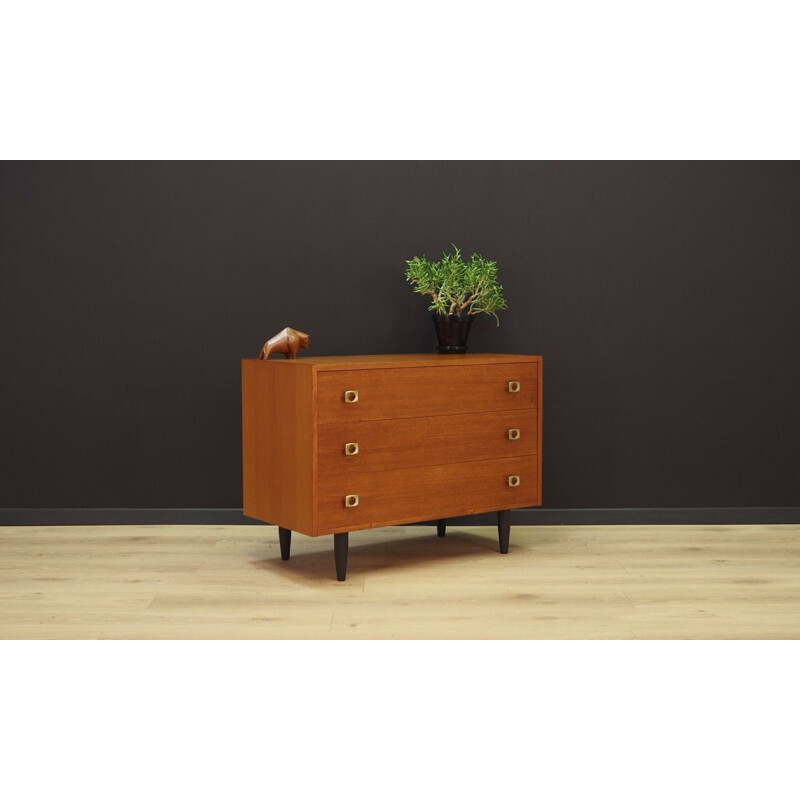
(452, 332)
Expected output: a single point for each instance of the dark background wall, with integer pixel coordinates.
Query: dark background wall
(663, 297)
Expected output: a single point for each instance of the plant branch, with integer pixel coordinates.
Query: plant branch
(458, 287)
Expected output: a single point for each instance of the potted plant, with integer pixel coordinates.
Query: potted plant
(459, 290)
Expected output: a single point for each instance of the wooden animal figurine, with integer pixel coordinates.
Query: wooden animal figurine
(288, 341)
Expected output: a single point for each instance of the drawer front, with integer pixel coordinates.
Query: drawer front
(348, 448)
(399, 496)
(387, 393)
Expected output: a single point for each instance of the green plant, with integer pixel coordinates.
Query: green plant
(458, 287)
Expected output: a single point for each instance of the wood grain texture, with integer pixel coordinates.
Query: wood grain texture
(540, 390)
(559, 582)
(409, 422)
(421, 392)
(408, 495)
(333, 363)
(422, 441)
(278, 444)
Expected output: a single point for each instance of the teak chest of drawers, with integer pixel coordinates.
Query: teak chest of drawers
(341, 443)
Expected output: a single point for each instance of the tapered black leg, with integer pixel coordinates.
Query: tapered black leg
(504, 529)
(285, 536)
(441, 525)
(340, 555)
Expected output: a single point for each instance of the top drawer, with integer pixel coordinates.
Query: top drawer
(396, 393)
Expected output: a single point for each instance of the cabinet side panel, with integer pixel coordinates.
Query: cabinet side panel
(291, 473)
(277, 439)
(256, 440)
(313, 410)
(539, 437)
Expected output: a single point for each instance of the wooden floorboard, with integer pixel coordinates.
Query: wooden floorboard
(228, 582)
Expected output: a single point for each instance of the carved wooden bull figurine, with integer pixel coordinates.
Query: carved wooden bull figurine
(288, 341)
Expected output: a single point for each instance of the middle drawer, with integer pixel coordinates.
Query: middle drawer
(370, 445)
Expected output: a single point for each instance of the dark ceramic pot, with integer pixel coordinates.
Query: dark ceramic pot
(452, 332)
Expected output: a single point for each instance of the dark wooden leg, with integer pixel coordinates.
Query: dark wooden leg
(340, 555)
(504, 529)
(440, 527)
(285, 536)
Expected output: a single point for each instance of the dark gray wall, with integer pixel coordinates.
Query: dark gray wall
(663, 297)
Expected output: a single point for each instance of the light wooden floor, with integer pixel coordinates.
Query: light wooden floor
(202, 582)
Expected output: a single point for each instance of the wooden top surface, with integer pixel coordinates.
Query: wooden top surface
(402, 360)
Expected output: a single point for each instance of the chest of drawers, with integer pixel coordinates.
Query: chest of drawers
(341, 443)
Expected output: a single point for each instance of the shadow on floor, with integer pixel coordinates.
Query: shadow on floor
(397, 552)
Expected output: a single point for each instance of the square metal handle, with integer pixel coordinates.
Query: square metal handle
(351, 500)
(351, 396)
(351, 449)
(513, 386)
(513, 433)
(513, 480)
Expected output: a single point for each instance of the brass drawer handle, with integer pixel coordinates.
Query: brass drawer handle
(513, 480)
(351, 396)
(513, 386)
(351, 449)
(513, 433)
(351, 500)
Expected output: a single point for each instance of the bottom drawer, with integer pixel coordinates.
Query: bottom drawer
(398, 496)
